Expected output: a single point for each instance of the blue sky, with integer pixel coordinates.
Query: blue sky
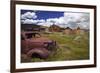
(62, 19)
(45, 14)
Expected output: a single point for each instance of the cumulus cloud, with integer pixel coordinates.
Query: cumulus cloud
(27, 18)
(74, 20)
(59, 20)
(72, 16)
(41, 21)
(72, 25)
(84, 25)
(28, 15)
(48, 24)
(29, 21)
(85, 21)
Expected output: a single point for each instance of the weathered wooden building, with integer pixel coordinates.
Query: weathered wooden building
(67, 31)
(54, 28)
(32, 27)
(76, 31)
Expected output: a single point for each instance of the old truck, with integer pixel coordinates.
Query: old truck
(39, 47)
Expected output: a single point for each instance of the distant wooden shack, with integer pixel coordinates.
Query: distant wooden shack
(76, 31)
(67, 31)
(32, 27)
(80, 31)
(54, 28)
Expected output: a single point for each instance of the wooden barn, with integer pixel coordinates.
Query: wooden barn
(32, 27)
(54, 28)
(67, 31)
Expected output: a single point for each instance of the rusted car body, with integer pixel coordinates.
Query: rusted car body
(36, 47)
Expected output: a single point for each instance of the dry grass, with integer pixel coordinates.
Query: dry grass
(69, 48)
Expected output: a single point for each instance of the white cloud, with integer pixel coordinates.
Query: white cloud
(30, 21)
(53, 20)
(85, 18)
(41, 21)
(57, 21)
(61, 20)
(29, 15)
(84, 25)
(48, 24)
(74, 20)
(72, 16)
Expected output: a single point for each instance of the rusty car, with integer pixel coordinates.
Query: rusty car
(39, 47)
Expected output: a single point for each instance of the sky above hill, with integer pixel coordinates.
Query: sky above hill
(62, 19)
